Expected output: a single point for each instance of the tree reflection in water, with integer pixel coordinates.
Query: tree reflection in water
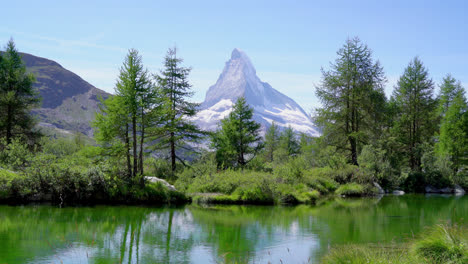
(197, 234)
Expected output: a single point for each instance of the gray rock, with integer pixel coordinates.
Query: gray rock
(398, 192)
(380, 190)
(446, 190)
(431, 189)
(163, 182)
(458, 190)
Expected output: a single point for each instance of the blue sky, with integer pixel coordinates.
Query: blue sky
(287, 41)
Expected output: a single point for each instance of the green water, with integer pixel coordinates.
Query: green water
(226, 234)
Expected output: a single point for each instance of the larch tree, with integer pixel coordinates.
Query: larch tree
(351, 93)
(177, 131)
(126, 115)
(17, 97)
(414, 122)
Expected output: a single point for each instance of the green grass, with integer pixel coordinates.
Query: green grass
(441, 244)
(251, 187)
(351, 189)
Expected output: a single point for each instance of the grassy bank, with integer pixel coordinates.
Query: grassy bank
(442, 244)
(283, 184)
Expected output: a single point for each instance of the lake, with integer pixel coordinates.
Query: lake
(215, 234)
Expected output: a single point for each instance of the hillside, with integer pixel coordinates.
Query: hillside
(68, 102)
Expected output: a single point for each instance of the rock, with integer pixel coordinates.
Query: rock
(446, 190)
(380, 190)
(398, 192)
(458, 190)
(163, 182)
(430, 189)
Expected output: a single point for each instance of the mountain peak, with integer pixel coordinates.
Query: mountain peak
(239, 59)
(238, 79)
(236, 54)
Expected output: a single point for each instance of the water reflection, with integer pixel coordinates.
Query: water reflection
(227, 234)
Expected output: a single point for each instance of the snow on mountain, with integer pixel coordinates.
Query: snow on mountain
(239, 78)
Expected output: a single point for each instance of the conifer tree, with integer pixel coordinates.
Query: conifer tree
(238, 140)
(351, 93)
(453, 136)
(126, 115)
(289, 142)
(414, 122)
(177, 130)
(271, 141)
(17, 97)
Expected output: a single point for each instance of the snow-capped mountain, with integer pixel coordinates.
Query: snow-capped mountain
(239, 78)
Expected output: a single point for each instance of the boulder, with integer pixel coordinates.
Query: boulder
(431, 189)
(446, 190)
(398, 192)
(163, 182)
(380, 190)
(458, 190)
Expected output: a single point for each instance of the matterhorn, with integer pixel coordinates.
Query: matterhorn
(239, 78)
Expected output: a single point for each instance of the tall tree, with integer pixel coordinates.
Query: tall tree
(414, 122)
(271, 141)
(17, 97)
(177, 130)
(453, 109)
(129, 112)
(351, 93)
(449, 89)
(238, 140)
(289, 142)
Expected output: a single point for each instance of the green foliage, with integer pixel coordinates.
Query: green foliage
(453, 136)
(414, 121)
(17, 98)
(14, 155)
(271, 142)
(352, 96)
(124, 117)
(351, 189)
(238, 139)
(176, 130)
(441, 244)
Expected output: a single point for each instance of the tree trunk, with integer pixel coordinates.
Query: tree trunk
(8, 127)
(142, 140)
(173, 153)
(127, 146)
(135, 150)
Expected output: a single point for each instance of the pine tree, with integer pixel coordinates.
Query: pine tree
(17, 97)
(177, 130)
(238, 140)
(271, 141)
(352, 96)
(414, 122)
